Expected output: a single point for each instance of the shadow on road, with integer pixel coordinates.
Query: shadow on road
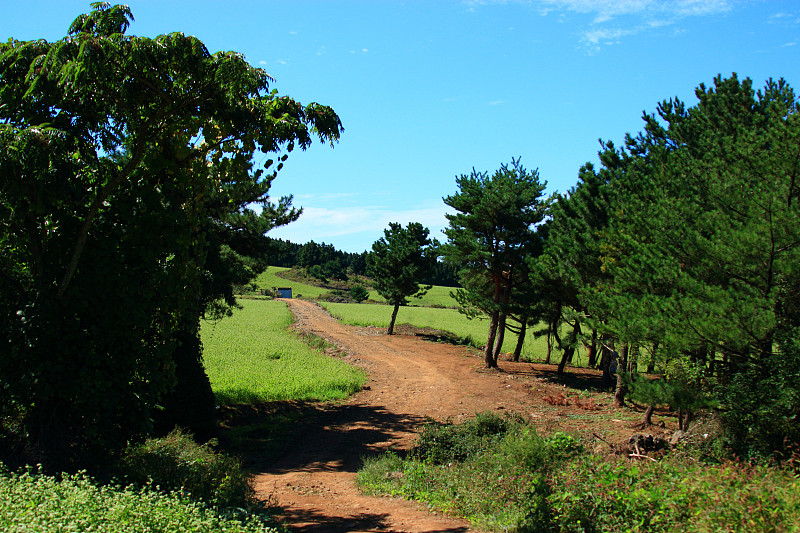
(316, 523)
(279, 437)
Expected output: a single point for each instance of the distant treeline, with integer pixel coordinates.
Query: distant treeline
(323, 261)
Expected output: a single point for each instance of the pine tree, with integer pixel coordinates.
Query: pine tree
(398, 261)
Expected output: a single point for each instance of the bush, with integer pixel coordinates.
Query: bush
(359, 293)
(490, 469)
(593, 494)
(502, 476)
(177, 463)
(445, 443)
(763, 401)
(34, 502)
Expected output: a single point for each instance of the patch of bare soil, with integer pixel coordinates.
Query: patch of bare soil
(410, 380)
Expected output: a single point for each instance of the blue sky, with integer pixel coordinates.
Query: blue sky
(428, 90)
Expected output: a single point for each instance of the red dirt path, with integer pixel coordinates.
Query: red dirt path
(410, 379)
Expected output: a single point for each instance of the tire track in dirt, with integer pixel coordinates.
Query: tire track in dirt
(409, 379)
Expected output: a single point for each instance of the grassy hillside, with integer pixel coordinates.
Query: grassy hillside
(269, 279)
(437, 296)
(473, 331)
(251, 357)
(437, 309)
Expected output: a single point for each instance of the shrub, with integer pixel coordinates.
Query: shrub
(445, 443)
(763, 401)
(178, 463)
(593, 494)
(34, 502)
(491, 469)
(359, 293)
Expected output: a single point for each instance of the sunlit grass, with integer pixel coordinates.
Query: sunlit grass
(251, 357)
(436, 296)
(269, 279)
(472, 332)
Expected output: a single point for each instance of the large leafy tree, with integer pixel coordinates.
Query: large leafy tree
(703, 249)
(399, 261)
(489, 236)
(125, 179)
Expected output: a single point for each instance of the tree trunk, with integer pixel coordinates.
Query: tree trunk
(622, 388)
(606, 358)
(394, 316)
(501, 334)
(488, 351)
(570, 350)
(521, 338)
(647, 420)
(494, 319)
(567, 355)
(549, 344)
(593, 350)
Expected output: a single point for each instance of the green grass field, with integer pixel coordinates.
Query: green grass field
(449, 320)
(269, 279)
(251, 357)
(436, 296)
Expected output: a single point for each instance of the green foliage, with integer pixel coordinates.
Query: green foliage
(672, 393)
(490, 469)
(767, 400)
(489, 237)
(124, 217)
(34, 502)
(523, 482)
(176, 463)
(446, 443)
(398, 261)
(593, 494)
(251, 357)
(359, 293)
(699, 249)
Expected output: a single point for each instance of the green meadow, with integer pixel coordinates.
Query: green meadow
(471, 332)
(269, 279)
(437, 309)
(252, 357)
(437, 296)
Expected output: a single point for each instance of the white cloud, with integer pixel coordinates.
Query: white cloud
(615, 19)
(605, 10)
(783, 18)
(358, 226)
(497, 102)
(605, 36)
(324, 197)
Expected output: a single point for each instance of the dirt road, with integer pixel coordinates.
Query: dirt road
(410, 379)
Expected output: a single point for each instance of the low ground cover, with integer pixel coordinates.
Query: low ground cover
(504, 477)
(250, 357)
(30, 501)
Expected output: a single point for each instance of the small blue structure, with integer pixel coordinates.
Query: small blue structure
(284, 292)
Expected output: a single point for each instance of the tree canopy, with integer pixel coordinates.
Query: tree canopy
(489, 236)
(126, 177)
(398, 261)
